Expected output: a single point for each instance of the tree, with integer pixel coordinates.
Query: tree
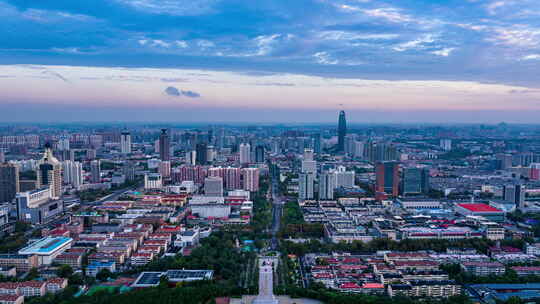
(103, 274)
(64, 271)
(32, 274)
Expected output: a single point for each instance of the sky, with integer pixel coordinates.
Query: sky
(474, 61)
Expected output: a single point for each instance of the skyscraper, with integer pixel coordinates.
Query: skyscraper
(317, 143)
(73, 173)
(259, 154)
(305, 186)
(164, 146)
(125, 142)
(251, 179)
(514, 194)
(387, 174)
(342, 131)
(414, 180)
(95, 171)
(9, 182)
(50, 172)
(327, 185)
(308, 154)
(201, 152)
(245, 153)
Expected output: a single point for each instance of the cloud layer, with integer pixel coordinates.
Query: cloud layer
(432, 44)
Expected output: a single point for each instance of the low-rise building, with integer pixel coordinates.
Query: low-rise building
(55, 285)
(483, 268)
(96, 266)
(22, 263)
(11, 299)
(47, 249)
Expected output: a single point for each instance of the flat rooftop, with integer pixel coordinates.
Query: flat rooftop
(46, 245)
(479, 207)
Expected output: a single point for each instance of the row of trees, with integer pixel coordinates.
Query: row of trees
(356, 247)
(293, 224)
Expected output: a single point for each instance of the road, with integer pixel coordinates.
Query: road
(277, 211)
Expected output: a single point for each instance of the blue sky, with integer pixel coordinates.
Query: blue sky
(434, 55)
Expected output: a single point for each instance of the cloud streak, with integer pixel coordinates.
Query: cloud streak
(175, 92)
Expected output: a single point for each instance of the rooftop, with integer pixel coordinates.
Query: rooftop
(479, 207)
(46, 245)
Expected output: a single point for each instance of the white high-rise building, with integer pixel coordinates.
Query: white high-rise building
(327, 185)
(309, 166)
(125, 143)
(153, 181)
(305, 186)
(308, 154)
(245, 153)
(73, 173)
(359, 149)
(50, 172)
(343, 178)
(191, 158)
(446, 144)
(63, 143)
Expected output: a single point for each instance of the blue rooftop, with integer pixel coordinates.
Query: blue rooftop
(45, 245)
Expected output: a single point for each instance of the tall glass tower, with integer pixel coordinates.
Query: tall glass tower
(342, 131)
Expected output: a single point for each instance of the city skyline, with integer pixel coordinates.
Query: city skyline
(227, 61)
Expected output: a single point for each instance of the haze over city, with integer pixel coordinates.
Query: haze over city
(270, 61)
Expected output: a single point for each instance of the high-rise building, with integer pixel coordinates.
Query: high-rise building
(327, 185)
(514, 194)
(259, 154)
(250, 178)
(63, 143)
(343, 177)
(350, 144)
(165, 169)
(153, 181)
(73, 173)
(9, 182)
(245, 153)
(317, 143)
(125, 142)
(129, 170)
(342, 131)
(2, 156)
(201, 154)
(191, 158)
(305, 186)
(309, 166)
(213, 186)
(95, 171)
(387, 178)
(535, 171)
(358, 149)
(233, 178)
(164, 146)
(210, 154)
(91, 154)
(50, 172)
(504, 161)
(308, 154)
(414, 180)
(446, 144)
